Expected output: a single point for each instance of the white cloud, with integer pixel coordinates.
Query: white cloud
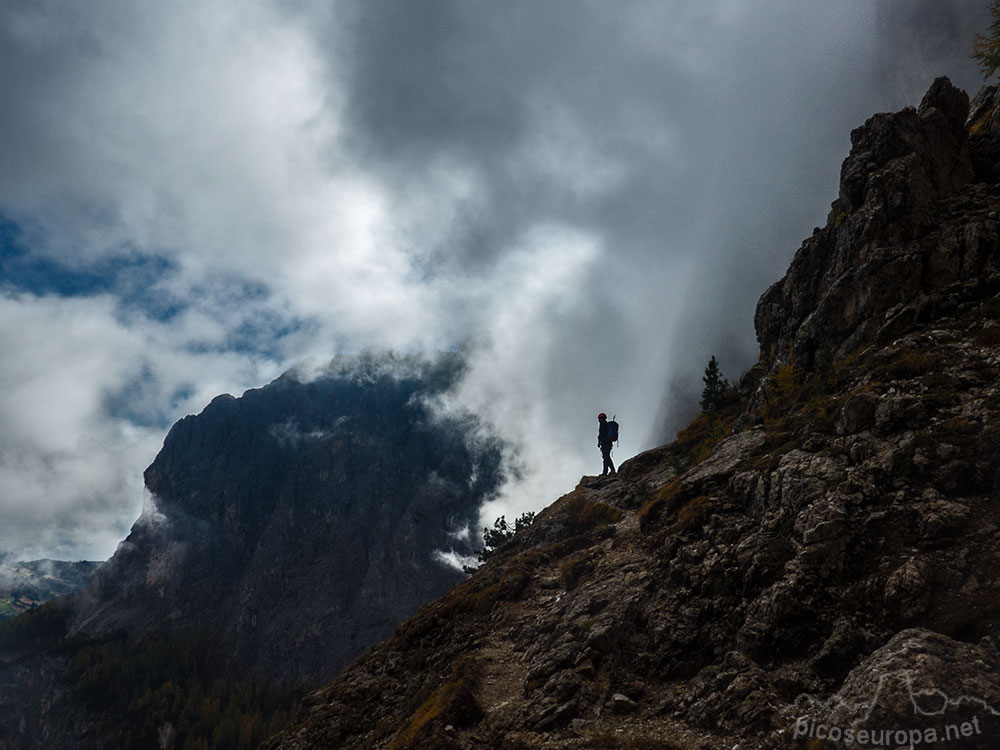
(533, 309)
(452, 559)
(59, 356)
(559, 150)
(70, 471)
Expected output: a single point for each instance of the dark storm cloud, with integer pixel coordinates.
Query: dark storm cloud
(548, 103)
(697, 142)
(668, 156)
(589, 196)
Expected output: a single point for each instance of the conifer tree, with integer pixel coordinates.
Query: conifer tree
(501, 533)
(986, 49)
(716, 386)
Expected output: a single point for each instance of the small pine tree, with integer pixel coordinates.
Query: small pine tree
(986, 49)
(501, 533)
(498, 535)
(716, 386)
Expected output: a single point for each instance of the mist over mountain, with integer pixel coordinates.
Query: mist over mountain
(935, 38)
(900, 49)
(24, 585)
(588, 199)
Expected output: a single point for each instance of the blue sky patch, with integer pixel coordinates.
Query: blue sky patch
(133, 277)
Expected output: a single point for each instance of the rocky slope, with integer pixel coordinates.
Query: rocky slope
(816, 565)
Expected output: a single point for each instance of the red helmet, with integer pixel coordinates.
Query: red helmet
(602, 415)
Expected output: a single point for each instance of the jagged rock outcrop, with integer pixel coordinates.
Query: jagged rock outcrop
(752, 583)
(886, 246)
(927, 690)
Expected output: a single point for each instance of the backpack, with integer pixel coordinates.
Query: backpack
(612, 431)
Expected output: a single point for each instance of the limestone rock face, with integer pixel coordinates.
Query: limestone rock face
(827, 542)
(300, 521)
(890, 248)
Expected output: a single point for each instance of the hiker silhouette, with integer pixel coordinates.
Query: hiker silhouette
(607, 434)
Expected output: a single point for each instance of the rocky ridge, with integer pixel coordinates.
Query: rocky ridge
(818, 560)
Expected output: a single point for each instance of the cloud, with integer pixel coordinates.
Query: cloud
(456, 560)
(54, 473)
(673, 145)
(85, 400)
(589, 198)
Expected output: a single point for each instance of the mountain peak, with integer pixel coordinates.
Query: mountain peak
(312, 505)
(872, 268)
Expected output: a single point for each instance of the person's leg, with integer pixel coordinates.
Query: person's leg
(608, 466)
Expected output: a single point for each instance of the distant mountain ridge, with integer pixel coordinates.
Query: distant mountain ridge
(833, 522)
(24, 585)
